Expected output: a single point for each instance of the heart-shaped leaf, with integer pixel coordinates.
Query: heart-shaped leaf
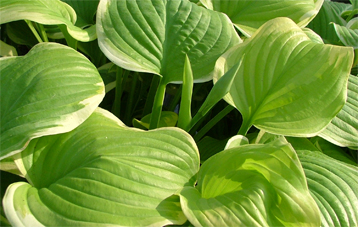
(50, 90)
(343, 129)
(103, 174)
(248, 16)
(49, 12)
(287, 84)
(154, 36)
(251, 185)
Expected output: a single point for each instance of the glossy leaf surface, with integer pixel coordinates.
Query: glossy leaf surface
(154, 36)
(287, 83)
(50, 90)
(251, 185)
(248, 16)
(103, 174)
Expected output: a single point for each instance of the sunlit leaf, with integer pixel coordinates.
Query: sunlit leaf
(248, 16)
(251, 185)
(287, 83)
(349, 37)
(154, 36)
(50, 90)
(49, 12)
(103, 174)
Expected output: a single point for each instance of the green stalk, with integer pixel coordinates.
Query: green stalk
(71, 42)
(128, 112)
(213, 122)
(174, 102)
(43, 32)
(157, 105)
(151, 94)
(34, 31)
(121, 78)
(244, 128)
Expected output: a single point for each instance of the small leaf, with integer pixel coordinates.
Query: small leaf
(50, 90)
(49, 12)
(152, 36)
(103, 176)
(349, 37)
(287, 84)
(167, 119)
(251, 185)
(248, 16)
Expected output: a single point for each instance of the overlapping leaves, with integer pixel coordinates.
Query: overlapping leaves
(103, 176)
(251, 185)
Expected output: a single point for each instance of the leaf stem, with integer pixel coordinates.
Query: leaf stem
(244, 128)
(121, 78)
(43, 32)
(213, 122)
(157, 105)
(151, 94)
(34, 31)
(129, 111)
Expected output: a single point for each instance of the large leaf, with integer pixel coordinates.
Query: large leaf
(248, 16)
(287, 84)
(251, 185)
(48, 12)
(333, 185)
(154, 36)
(343, 129)
(102, 174)
(50, 90)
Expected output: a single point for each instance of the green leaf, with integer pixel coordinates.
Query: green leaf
(49, 12)
(248, 16)
(20, 33)
(103, 174)
(321, 24)
(186, 97)
(50, 90)
(209, 146)
(333, 185)
(349, 37)
(85, 11)
(7, 50)
(343, 129)
(152, 36)
(167, 119)
(286, 84)
(251, 185)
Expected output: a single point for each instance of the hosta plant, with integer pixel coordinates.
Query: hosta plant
(178, 112)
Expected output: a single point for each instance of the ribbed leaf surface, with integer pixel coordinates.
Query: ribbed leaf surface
(50, 90)
(343, 129)
(248, 16)
(102, 174)
(334, 186)
(48, 12)
(287, 83)
(251, 185)
(154, 36)
(349, 37)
